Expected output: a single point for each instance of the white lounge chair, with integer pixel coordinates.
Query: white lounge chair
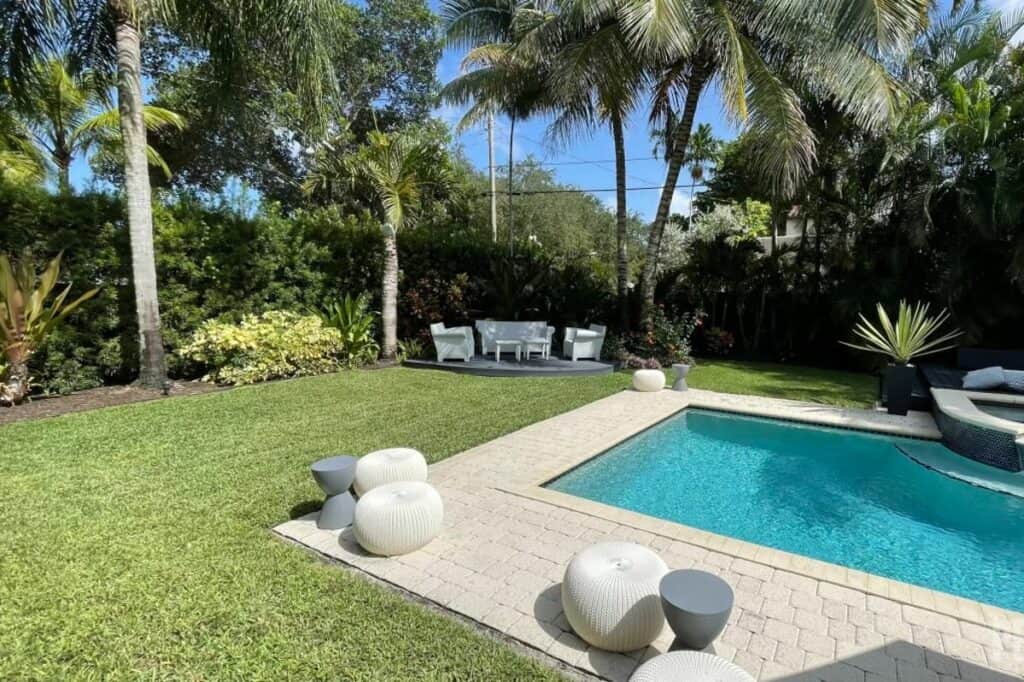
(454, 343)
(583, 343)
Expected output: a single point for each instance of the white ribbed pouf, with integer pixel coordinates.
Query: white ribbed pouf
(398, 518)
(389, 466)
(610, 595)
(648, 380)
(689, 666)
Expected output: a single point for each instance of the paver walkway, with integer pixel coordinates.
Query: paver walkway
(506, 542)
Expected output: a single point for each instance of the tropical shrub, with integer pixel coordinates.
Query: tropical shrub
(636, 362)
(718, 341)
(411, 349)
(273, 345)
(355, 323)
(667, 339)
(27, 318)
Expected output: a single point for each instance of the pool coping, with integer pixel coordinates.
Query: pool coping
(915, 425)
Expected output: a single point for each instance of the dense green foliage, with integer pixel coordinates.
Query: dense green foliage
(215, 263)
(929, 210)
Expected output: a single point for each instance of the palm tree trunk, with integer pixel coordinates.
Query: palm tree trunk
(389, 294)
(680, 142)
(14, 387)
(152, 372)
(511, 140)
(621, 220)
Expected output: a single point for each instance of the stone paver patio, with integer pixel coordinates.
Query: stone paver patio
(506, 542)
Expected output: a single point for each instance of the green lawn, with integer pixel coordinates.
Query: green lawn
(134, 541)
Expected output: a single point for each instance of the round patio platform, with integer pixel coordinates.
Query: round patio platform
(508, 367)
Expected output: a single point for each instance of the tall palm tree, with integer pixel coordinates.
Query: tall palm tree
(598, 80)
(398, 173)
(752, 49)
(298, 33)
(69, 111)
(497, 76)
(703, 148)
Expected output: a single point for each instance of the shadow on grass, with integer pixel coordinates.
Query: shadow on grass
(304, 507)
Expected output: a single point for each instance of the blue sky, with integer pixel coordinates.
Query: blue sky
(597, 147)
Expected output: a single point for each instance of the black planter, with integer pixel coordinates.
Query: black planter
(899, 385)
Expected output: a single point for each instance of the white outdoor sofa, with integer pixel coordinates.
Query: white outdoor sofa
(452, 343)
(583, 343)
(498, 330)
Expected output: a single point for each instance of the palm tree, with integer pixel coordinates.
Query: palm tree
(68, 113)
(298, 33)
(398, 174)
(497, 76)
(598, 80)
(752, 49)
(20, 161)
(703, 148)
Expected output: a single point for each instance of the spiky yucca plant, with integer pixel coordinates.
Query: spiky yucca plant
(26, 318)
(910, 337)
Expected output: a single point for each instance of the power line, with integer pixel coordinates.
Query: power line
(582, 160)
(526, 192)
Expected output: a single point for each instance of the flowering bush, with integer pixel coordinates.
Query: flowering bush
(637, 362)
(274, 345)
(667, 339)
(718, 341)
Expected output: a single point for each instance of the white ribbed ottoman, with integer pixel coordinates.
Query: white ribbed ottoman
(398, 518)
(648, 380)
(389, 466)
(610, 595)
(689, 666)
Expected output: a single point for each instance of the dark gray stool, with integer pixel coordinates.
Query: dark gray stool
(697, 605)
(334, 475)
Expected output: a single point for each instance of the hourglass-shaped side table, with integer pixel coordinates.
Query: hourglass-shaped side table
(334, 475)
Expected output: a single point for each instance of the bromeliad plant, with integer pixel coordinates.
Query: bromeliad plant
(26, 318)
(912, 335)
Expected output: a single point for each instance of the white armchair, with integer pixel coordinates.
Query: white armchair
(452, 342)
(583, 343)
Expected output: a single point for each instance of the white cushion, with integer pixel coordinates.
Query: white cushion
(398, 518)
(610, 595)
(984, 379)
(389, 466)
(648, 380)
(689, 666)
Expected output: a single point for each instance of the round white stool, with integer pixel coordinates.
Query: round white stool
(398, 518)
(389, 466)
(689, 666)
(610, 595)
(648, 380)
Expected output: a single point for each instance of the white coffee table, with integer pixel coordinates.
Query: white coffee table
(542, 342)
(517, 344)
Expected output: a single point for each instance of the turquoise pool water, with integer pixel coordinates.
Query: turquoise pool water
(845, 497)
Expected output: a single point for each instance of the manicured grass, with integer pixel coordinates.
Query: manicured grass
(826, 386)
(134, 540)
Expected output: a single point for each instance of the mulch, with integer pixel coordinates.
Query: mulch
(94, 398)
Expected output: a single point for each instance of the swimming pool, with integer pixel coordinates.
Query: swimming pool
(846, 497)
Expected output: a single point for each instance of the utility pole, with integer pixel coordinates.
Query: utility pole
(494, 182)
